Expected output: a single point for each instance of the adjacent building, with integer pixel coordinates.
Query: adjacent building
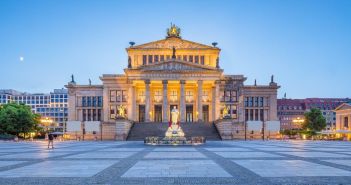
(343, 120)
(53, 105)
(291, 111)
(168, 73)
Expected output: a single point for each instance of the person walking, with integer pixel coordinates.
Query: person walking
(51, 140)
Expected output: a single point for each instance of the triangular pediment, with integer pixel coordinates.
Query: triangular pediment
(169, 43)
(176, 66)
(343, 106)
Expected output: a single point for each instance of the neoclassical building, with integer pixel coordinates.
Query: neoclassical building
(173, 72)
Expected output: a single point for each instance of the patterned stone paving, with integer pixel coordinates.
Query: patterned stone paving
(217, 162)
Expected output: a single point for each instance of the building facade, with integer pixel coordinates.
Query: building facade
(168, 73)
(343, 120)
(291, 111)
(53, 105)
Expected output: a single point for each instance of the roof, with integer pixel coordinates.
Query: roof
(171, 42)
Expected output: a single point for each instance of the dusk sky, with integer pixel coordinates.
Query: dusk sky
(305, 44)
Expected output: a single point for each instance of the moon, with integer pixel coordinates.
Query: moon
(21, 59)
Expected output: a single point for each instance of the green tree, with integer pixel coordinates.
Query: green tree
(17, 118)
(314, 121)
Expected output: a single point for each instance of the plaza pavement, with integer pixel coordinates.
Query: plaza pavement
(216, 162)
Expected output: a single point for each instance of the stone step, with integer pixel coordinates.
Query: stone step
(141, 130)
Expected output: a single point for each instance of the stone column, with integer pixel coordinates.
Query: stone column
(199, 100)
(165, 101)
(216, 101)
(147, 100)
(131, 103)
(182, 101)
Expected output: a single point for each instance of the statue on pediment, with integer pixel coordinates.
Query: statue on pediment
(173, 31)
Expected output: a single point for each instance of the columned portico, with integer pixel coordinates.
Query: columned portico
(182, 101)
(199, 100)
(165, 101)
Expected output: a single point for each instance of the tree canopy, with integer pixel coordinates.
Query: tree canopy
(314, 120)
(17, 118)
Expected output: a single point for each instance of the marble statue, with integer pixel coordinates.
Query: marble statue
(174, 130)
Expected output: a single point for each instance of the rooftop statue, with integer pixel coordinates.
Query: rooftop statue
(173, 31)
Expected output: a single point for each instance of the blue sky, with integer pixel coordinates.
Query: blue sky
(305, 44)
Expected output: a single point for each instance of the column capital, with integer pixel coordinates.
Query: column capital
(182, 81)
(147, 81)
(164, 81)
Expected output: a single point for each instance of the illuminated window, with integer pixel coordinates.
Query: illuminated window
(141, 96)
(189, 96)
(112, 112)
(202, 60)
(173, 96)
(205, 96)
(157, 96)
(150, 59)
(156, 58)
(185, 58)
(112, 96)
(191, 58)
(144, 59)
(196, 59)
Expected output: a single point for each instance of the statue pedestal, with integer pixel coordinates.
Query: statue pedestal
(174, 131)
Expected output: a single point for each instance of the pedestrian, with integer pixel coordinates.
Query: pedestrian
(51, 140)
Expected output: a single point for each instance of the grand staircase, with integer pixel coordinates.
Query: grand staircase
(141, 130)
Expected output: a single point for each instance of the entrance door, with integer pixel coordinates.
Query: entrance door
(158, 113)
(170, 111)
(205, 113)
(141, 113)
(189, 113)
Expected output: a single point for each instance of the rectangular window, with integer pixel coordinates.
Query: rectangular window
(162, 58)
(89, 115)
(233, 111)
(112, 96)
(256, 114)
(251, 114)
(94, 101)
(144, 59)
(124, 96)
(99, 101)
(261, 115)
(112, 112)
(346, 122)
(94, 115)
(196, 59)
(185, 58)
(84, 101)
(118, 96)
(227, 96)
(250, 101)
(191, 58)
(233, 96)
(150, 59)
(246, 101)
(156, 58)
(246, 114)
(168, 57)
(189, 96)
(89, 101)
(205, 96)
(179, 57)
(202, 60)
(84, 115)
(173, 96)
(256, 101)
(221, 96)
(99, 114)
(261, 101)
